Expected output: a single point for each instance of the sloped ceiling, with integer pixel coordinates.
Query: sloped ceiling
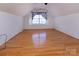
(61, 9)
(17, 9)
(54, 9)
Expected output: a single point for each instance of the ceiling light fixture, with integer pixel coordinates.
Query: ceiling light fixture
(45, 3)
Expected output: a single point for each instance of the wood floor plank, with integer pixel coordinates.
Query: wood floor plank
(47, 42)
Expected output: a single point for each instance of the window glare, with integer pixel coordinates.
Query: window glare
(35, 21)
(36, 16)
(42, 21)
(41, 16)
(38, 19)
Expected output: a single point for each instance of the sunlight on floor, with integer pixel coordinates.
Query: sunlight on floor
(39, 39)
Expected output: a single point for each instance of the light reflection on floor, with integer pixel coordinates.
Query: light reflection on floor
(39, 39)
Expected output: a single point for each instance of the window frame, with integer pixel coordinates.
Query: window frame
(39, 18)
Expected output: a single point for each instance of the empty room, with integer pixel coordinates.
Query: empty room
(39, 29)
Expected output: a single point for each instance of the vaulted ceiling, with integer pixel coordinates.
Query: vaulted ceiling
(54, 9)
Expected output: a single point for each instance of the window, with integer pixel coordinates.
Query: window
(39, 17)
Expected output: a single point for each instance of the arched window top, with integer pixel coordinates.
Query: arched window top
(39, 18)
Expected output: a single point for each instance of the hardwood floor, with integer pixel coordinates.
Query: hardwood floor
(41, 43)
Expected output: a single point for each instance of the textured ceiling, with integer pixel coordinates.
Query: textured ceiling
(54, 9)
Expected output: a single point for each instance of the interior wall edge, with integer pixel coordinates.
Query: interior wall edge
(10, 25)
(68, 24)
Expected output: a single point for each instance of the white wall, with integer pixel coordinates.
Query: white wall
(29, 25)
(68, 24)
(9, 25)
